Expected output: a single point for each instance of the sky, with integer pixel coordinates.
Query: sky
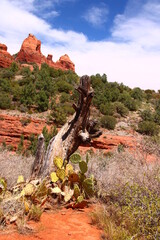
(120, 38)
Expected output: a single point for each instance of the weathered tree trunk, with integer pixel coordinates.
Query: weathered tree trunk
(79, 129)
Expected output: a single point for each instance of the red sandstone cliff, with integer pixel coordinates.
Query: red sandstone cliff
(30, 52)
(12, 127)
(5, 58)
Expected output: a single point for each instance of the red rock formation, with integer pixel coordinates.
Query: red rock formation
(65, 63)
(110, 142)
(49, 57)
(12, 127)
(30, 52)
(5, 58)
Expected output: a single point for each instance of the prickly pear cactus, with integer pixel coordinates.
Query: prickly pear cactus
(87, 158)
(58, 162)
(28, 189)
(20, 179)
(75, 158)
(54, 177)
(82, 177)
(76, 191)
(3, 185)
(73, 177)
(68, 193)
(56, 190)
(61, 174)
(26, 206)
(69, 169)
(88, 185)
(83, 166)
(80, 199)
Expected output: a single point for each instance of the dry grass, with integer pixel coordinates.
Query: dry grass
(115, 170)
(13, 165)
(130, 190)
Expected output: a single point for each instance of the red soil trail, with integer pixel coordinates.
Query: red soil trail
(66, 224)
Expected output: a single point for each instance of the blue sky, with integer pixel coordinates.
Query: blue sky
(118, 37)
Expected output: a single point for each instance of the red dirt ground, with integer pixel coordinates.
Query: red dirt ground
(66, 224)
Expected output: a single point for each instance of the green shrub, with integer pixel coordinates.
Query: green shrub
(5, 85)
(28, 94)
(7, 73)
(121, 109)
(131, 212)
(64, 97)
(63, 86)
(107, 109)
(14, 67)
(49, 134)
(21, 144)
(25, 71)
(137, 93)
(42, 101)
(157, 117)
(148, 127)
(131, 104)
(108, 122)
(147, 115)
(5, 101)
(68, 109)
(59, 115)
(33, 145)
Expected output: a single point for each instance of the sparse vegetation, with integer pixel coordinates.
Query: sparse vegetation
(124, 182)
(129, 189)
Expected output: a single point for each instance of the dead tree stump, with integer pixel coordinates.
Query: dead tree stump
(79, 129)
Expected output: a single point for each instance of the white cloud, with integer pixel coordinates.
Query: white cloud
(134, 60)
(50, 14)
(97, 16)
(142, 28)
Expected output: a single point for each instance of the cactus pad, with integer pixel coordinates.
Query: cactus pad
(82, 177)
(88, 186)
(61, 174)
(80, 199)
(73, 177)
(68, 193)
(58, 162)
(28, 189)
(3, 185)
(75, 158)
(69, 169)
(56, 190)
(76, 191)
(26, 206)
(20, 179)
(87, 158)
(54, 177)
(83, 166)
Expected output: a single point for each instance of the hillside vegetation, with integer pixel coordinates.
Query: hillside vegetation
(51, 89)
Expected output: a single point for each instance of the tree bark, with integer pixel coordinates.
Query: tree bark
(79, 129)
